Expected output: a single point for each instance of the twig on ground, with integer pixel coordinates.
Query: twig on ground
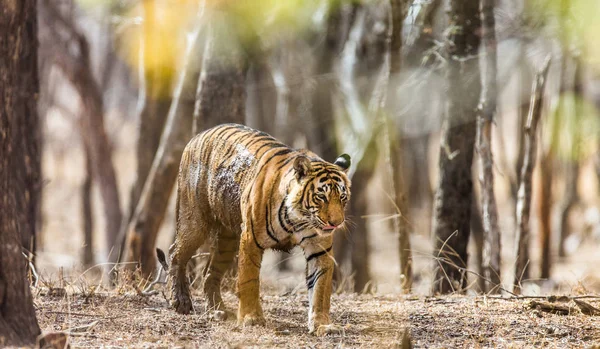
(148, 291)
(83, 328)
(587, 308)
(553, 308)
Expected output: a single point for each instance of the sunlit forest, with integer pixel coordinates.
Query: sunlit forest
(473, 129)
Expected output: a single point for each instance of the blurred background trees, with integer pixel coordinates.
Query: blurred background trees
(397, 84)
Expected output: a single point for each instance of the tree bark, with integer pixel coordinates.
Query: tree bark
(86, 212)
(221, 93)
(453, 198)
(19, 167)
(487, 110)
(524, 193)
(477, 233)
(545, 210)
(359, 246)
(572, 167)
(399, 189)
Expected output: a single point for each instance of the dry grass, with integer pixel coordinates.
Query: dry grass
(123, 318)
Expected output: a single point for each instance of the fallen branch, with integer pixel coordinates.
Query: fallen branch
(553, 308)
(587, 308)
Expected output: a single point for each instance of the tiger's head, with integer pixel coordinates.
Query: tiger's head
(319, 192)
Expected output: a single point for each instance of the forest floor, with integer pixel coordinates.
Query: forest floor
(101, 317)
(124, 318)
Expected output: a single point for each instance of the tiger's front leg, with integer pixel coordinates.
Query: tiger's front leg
(319, 274)
(250, 258)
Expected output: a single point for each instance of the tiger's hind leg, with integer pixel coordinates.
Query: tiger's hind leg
(190, 235)
(222, 255)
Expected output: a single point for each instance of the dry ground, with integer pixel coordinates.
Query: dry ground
(122, 318)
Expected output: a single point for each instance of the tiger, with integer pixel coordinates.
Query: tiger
(247, 192)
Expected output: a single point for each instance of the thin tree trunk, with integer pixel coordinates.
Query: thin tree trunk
(524, 193)
(477, 233)
(19, 168)
(570, 198)
(572, 167)
(359, 246)
(545, 209)
(399, 189)
(86, 212)
(455, 185)
(524, 85)
(487, 109)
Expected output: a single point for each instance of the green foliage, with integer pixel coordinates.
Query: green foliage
(573, 22)
(572, 129)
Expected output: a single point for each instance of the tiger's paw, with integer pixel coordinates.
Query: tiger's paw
(324, 330)
(182, 303)
(252, 319)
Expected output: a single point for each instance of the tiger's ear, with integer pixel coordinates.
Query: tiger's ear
(343, 161)
(302, 166)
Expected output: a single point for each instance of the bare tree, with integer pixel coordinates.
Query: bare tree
(19, 167)
(524, 193)
(487, 109)
(454, 194)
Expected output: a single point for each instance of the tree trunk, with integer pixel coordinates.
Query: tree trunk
(455, 185)
(524, 193)
(359, 246)
(477, 233)
(322, 136)
(19, 168)
(572, 167)
(487, 109)
(221, 93)
(399, 189)
(86, 212)
(545, 206)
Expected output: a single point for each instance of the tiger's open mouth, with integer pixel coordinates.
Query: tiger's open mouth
(328, 228)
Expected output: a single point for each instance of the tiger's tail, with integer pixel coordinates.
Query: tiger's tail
(162, 259)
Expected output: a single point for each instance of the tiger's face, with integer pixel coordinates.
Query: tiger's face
(321, 192)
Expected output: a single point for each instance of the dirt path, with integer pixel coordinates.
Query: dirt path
(129, 320)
